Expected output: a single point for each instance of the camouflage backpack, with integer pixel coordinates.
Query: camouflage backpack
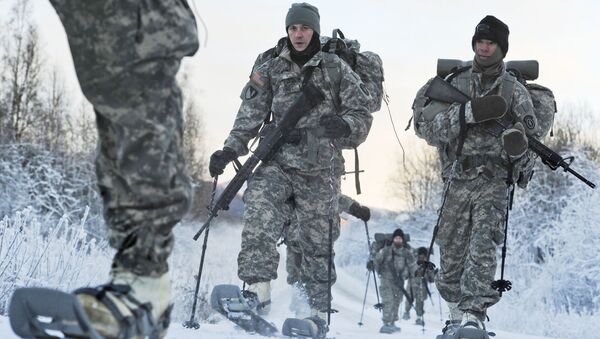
(522, 71)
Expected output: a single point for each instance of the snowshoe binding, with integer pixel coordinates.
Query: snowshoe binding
(230, 302)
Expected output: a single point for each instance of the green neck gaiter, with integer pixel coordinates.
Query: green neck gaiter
(489, 68)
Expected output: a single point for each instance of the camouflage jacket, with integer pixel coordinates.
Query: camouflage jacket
(276, 84)
(396, 264)
(482, 151)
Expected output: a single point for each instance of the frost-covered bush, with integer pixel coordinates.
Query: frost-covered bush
(61, 255)
(53, 186)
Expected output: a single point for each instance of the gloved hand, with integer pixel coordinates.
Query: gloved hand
(333, 126)
(361, 212)
(514, 141)
(219, 160)
(370, 265)
(486, 108)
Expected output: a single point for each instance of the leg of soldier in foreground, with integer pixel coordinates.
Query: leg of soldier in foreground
(126, 56)
(487, 217)
(466, 267)
(314, 206)
(265, 213)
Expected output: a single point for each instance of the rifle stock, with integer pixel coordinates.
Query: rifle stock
(311, 96)
(441, 90)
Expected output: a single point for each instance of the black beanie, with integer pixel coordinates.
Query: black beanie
(398, 232)
(423, 251)
(491, 28)
(303, 14)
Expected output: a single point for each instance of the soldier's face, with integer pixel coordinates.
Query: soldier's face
(485, 48)
(300, 36)
(398, 241)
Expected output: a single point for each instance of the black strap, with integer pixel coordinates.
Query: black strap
(463, 130)
(356, 171)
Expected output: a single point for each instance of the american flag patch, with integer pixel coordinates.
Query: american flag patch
(258, 78)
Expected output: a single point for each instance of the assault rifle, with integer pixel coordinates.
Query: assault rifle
(311, 96)
(441, 90)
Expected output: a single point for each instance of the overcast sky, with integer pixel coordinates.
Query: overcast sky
(409, 36)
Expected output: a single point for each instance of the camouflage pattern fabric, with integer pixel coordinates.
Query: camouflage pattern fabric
(276, 84)
(471, 228)
(294, 254)
(266, 212)
(472, 220)
(126, 55)
(394, 265)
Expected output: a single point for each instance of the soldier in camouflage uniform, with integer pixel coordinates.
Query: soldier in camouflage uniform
(418, 289)
(394, 263)
(472, 220)
(126, 55)
(307, 168)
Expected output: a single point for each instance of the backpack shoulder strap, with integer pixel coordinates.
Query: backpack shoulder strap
(509, 82)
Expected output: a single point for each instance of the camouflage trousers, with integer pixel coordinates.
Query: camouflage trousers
(416, 289)
(471, 228)
(126, 55)
(267, 212)
(391, 298)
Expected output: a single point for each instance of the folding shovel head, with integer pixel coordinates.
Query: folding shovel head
(45, 313)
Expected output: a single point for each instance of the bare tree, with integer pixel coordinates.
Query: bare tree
(21, 75)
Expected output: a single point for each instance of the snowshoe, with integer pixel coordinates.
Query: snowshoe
(44, 313)
(313, 327)
(230, 302)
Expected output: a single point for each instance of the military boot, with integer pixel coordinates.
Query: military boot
(318, 322)
(419, 321)
(129, 306)
(472, 320)
(259, 295)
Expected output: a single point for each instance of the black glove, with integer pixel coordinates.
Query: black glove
(361, 212)
(333, 126)
(219, 160)
(487, 108)
(514, 141)
(370, 265)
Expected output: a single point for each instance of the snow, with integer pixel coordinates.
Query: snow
(553, 256)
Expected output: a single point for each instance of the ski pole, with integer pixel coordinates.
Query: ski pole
(192, 323)
(503, 285)
(379, 305)
(360, 323)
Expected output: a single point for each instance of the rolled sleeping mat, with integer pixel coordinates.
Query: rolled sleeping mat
(528, 69)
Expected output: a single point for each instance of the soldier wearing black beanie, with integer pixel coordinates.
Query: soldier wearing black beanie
(491, 28)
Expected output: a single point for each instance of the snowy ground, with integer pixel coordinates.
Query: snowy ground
(347, 295)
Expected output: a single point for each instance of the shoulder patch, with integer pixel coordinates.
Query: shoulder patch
(250, 92)
(258, 78)
(529, 121)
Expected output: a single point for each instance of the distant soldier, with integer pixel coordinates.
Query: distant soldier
(394, 263)
(418, 289)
